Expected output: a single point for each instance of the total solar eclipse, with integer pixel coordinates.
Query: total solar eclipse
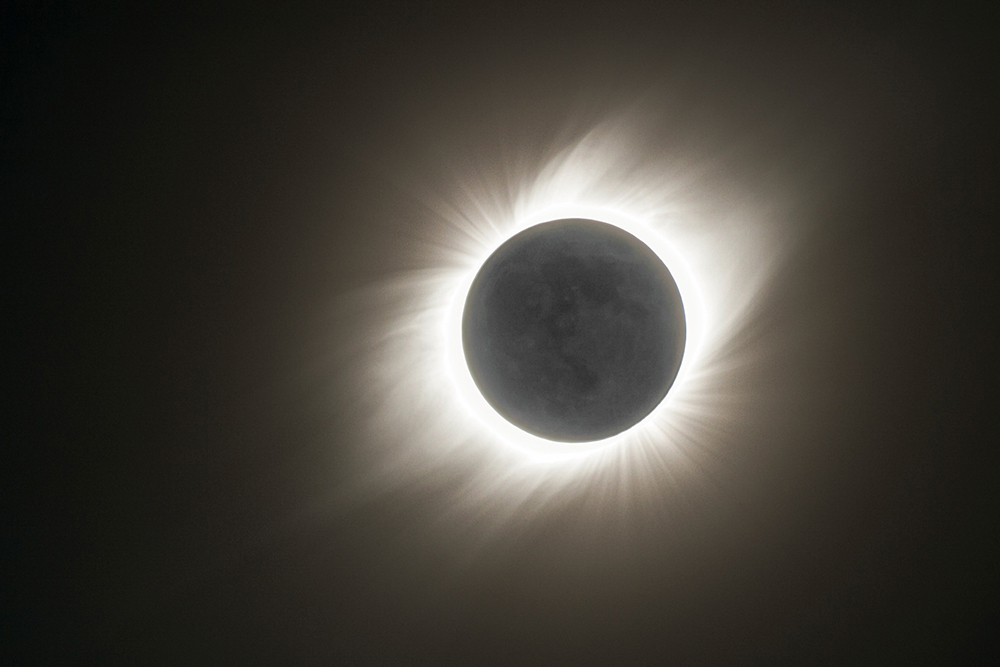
(573, 330)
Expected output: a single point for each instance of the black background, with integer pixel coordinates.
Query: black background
(183, 190)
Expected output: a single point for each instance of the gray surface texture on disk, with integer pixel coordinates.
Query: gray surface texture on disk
(573, 330)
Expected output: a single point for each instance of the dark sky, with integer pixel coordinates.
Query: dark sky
(186, 193)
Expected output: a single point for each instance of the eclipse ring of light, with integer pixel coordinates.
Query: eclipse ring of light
(547, 448)
(573, 330)
(420, 409)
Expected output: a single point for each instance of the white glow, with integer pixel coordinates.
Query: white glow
(540, 448)
(422, 415)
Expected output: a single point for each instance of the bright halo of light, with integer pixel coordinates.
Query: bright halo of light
(419, 414)
(541, 448)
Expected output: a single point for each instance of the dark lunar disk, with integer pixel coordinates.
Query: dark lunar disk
(573, 330)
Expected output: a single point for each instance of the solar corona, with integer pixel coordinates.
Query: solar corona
(566, 322)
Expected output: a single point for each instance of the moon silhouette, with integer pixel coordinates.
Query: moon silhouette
(573, 330)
